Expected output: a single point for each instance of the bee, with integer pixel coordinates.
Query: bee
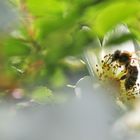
(121, 58)
(131, 76)
(124, 58)
(111, 63)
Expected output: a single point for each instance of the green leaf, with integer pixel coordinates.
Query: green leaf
(58, 79)
(53, 16)
(114, 13)
(45, 7)
(55, 23)
(42, 95)
(13, 47)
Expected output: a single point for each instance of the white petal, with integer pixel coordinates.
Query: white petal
(128, 125)
(117, 32)
(93, 57)
(103, 104)
(91, 89)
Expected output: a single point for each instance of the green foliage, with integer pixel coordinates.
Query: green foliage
(105, 16)
(46, 7)
(51, 32)
(14, 47)
(113, 14)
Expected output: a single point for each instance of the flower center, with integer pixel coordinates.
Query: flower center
(126, 77)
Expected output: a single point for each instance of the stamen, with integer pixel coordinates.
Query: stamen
(115, 70)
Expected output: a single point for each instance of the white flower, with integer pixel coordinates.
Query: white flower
(129, 124)
(102, 93)
(99, 60)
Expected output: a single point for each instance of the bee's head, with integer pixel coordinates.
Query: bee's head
(116, 55)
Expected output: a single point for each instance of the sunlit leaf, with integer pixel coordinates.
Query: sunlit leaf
(54, 16)
(110, 15)
(43, 7)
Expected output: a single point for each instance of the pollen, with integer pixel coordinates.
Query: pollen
(109, 71)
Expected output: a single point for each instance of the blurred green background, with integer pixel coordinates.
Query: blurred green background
(42, 42)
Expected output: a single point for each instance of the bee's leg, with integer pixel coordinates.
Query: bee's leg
(123, 77)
